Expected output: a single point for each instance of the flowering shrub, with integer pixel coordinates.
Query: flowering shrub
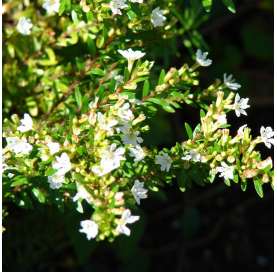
(82, 72)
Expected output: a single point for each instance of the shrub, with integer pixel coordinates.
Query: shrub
(84, 74)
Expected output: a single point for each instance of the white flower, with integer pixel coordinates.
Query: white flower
(62, 164)
(90, 228)
(126, 218)
(267, 135)
(136, 1)
(110, 160)
(157, 18)
(164, 161)
(51, 6)
(19, 146)
(119, 79)
(137, 152)
(93, 104)
(265, 163)
(106, 124)
(138, 191)
(24, 26)
(53, 147)
(193, 155)
(201, 58)
(10, 175)
(26, 123)
(56, 181)
(82, 194)
(230, 82)
(225, 171)
(240, 105)
(125, 114)
(117, 5)
(131, 56)
(240, 132)
(131, 137)
(221, 119)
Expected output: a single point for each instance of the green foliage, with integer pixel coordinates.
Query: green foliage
(86, 76)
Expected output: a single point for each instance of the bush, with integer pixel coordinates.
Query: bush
(81, 79)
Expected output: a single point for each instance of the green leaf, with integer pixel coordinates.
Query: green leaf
(100, 41)
(74, 16)
(97, 71)
(161, 77)
(207, 4)
(78, 97)
(65, 5)
(259, 187)
(157, 101)
(196, 130)
(39, 195)
(50, 171)
(227, 182)
(19, 180)
(202, 113)
(230, 5)
(188, 130)
(131, 15)
(146, 88)
(243, 186)
(101, 91)
(91, 45)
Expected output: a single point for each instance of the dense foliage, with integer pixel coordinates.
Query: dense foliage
(83, 70)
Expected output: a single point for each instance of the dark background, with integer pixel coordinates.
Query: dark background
(215, 228)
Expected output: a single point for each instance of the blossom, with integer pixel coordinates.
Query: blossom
(230, 82)
(157, 18)
(125, 114)
(24, 26)
(19, 146)
(10, 175)
(225, 171)
(136, 1)
(240, 105)
(82, 194)
(106, 124)
(131, 56)
(26, 123)
(110, 160)
(201, 58)
(126, 218)
(62, 164)
(53, 147)
(221, 119)
(265, 163)
(119, 79)
(137, 152)
(131, 137)
(51, 6)
(55, 181)
(267, 135)
(164, 160)
(90, 228)
(93, 104)
(241, 130)
(117, 5)
(138, 191)
(193, 155)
